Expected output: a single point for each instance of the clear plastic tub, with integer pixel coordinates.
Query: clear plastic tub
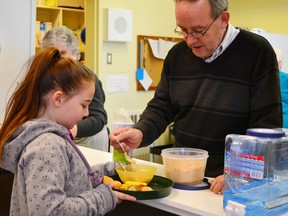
(184, 166)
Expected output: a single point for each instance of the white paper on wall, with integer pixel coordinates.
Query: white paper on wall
(117, 84)
(160, 48)
(146, 81)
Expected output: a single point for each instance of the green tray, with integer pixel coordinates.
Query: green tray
(161, 188)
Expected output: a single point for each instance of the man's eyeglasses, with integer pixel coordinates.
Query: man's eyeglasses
(195, 34)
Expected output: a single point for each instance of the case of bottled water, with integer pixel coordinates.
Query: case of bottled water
(256, 173)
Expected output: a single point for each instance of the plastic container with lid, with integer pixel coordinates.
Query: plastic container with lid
(185, 166)
(256, 173)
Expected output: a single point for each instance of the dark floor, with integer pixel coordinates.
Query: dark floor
(127, 208)
(6, 182)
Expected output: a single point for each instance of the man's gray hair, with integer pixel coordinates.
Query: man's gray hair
(217, 6)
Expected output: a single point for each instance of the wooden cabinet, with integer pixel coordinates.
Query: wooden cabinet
(73, 18)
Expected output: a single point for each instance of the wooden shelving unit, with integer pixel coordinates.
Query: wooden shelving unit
(62, 16)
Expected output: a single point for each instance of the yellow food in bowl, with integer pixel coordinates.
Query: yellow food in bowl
(136, 172)
(135, 186)
(128, 185)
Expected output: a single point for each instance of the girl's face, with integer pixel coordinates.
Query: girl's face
(69, 110)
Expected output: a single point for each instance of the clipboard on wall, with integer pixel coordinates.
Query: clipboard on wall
(147, 60)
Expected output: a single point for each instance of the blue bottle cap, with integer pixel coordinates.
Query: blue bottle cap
(265, 133)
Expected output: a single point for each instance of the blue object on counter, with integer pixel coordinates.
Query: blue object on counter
(202, 186)
(265, 133)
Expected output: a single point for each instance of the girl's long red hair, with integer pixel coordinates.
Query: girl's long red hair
(47, 71)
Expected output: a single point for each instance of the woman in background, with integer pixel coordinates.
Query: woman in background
(51, 175)
(283, 86)
(92, 131)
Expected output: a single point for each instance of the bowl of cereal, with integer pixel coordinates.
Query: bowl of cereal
(185, 166)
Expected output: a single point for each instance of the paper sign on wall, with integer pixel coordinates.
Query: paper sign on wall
(117, 84)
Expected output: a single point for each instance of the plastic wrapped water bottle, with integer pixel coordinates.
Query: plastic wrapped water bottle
(256, 168)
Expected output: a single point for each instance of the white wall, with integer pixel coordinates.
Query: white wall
(280, 41)
(17, 43)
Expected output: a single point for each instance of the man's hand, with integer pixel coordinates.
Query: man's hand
(217, 185)
(130, 138)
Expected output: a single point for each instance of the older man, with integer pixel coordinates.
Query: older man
(219, 80)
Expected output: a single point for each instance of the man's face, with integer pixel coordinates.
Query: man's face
(195, 17)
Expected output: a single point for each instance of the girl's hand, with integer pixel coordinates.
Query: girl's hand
(122, 196)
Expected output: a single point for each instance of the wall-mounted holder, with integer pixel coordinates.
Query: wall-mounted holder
(118, 25)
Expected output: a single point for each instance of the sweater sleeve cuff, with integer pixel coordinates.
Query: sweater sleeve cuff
(148, 134)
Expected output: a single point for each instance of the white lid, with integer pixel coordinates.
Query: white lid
(191, 153)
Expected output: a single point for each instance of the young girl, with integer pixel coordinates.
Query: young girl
(92, 130)
(51, 176)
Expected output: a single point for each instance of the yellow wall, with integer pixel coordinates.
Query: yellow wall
(156, 17)
(265, 14)
(150, 17)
